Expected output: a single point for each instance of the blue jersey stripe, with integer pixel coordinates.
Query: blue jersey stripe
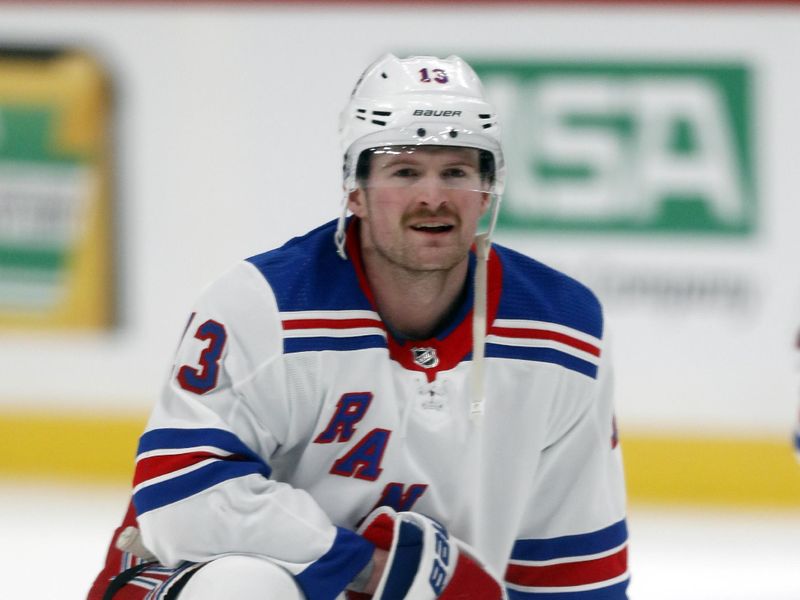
(548, 355)
(571, 545)
(327, 577)
(618, 591)
(318, 344)
(173, 439)
(184, 486)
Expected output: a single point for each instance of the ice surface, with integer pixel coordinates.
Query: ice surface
(54, 538)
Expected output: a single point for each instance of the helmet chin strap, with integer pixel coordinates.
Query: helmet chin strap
(483, 244)
(339, 236)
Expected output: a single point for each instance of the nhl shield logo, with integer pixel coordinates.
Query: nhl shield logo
(425, 357)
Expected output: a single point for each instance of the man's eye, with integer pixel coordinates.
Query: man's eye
(405, 173)
(454, 172)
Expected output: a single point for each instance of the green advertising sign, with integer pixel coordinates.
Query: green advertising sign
(40, 193)
(625, 147)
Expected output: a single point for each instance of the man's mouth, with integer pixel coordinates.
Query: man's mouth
(432, 227)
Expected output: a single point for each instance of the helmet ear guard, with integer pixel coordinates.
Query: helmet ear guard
(418, 101)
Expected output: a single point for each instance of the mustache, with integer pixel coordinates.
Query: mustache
(422, 213)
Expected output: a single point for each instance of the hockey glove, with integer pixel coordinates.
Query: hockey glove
(425, 562)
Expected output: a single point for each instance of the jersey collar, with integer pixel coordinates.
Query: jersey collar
(453, 344)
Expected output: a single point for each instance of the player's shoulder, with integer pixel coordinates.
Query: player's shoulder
(263, 275)
(307, 274)
(296, 252)
(533, 290)
(236, 293)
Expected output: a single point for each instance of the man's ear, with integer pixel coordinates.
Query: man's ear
(356, 203)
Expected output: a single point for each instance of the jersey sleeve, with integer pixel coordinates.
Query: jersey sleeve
(202, 485)
(573, 539)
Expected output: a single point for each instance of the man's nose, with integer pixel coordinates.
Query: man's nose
(430, 190)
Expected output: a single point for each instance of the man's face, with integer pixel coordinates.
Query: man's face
(420, 208)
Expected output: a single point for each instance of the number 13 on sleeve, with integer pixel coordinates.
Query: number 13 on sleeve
(204, 379)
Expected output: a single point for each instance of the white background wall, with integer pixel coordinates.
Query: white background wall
(226, 146)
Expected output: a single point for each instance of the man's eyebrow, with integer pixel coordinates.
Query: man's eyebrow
(462, 162)
(393, 161)
(408, 160)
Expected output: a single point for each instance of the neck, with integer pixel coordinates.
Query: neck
(414, 303)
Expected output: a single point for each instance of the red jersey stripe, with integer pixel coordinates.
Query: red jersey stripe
(545, 334)
(567, 574)
(156, 466)
(331, 323)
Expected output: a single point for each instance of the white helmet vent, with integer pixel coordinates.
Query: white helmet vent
(363, 114)
(489, 125)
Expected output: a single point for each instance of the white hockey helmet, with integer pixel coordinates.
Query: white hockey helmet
(418, 101)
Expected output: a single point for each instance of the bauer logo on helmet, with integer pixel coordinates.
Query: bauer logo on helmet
(436, 113)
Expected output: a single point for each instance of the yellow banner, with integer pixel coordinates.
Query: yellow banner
(55, 193)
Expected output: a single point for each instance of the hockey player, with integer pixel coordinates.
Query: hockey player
(389, 406)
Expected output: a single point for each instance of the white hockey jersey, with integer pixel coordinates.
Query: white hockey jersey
(292, 411)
